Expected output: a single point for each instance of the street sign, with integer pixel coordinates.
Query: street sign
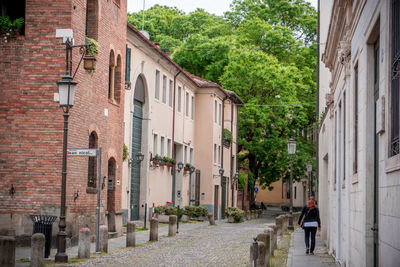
(256, 189)
(81, 152)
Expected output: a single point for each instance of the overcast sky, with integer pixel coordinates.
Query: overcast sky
(212, 6)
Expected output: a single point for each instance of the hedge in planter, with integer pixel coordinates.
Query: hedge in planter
(235, 213)
(196, 211)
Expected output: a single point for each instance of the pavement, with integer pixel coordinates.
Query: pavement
(197, 244)
(298, 258)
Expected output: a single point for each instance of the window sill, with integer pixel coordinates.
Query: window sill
(91, 190)
(113, 102)
(354, 178)
(393, 164)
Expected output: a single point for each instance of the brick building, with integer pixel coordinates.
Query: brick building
(31, 121)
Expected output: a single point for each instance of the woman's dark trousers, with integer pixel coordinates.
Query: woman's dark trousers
(307, 232)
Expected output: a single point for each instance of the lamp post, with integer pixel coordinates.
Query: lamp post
(309, 170)
(66, 92)
(291, 151)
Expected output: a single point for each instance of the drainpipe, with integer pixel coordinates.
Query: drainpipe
(232, 189)
(173, 140)
(317, 113)
(222, 150)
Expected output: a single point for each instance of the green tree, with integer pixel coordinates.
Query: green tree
(264, 126)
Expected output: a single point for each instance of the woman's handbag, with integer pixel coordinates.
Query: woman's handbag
(302, 219)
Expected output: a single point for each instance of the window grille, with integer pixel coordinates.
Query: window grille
(394, 137)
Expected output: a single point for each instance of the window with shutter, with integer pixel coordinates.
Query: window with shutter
(395, 88)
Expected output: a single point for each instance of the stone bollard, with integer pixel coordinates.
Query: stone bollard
(131, 234)
(286, 221)
(262, 255)
(264, 238)
(254, 253)
(211, 219)
(279, 224)
(172, 225)
(7, 251)
(38, 241)
(84, 243)
(103, 238)
(153, 230)
(271, 228)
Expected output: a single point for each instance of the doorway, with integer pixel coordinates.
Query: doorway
(223, 197)
(111, 195)
(137, 121)
(375, 228)
(216, 203)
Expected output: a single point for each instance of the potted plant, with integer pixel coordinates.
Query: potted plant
(92, 48)
(187, 167)
(10, 29)
(155, 159)
(165, 160)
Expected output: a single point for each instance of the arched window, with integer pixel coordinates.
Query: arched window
(117, 80)
(111, 76)
(92, 19)
(92, 165)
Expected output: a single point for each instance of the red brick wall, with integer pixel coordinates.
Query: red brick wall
(31, 123)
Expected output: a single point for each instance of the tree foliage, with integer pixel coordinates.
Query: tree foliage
(264, 51)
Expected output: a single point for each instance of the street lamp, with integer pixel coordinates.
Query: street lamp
(291, 151)
(192, 169)
(66, 93)
(180, 166)
(309, 170)
(139, 157)
(221, 171)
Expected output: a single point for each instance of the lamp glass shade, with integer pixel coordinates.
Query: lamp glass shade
(221, 171)
(139, 157)
(291, 147)
(192, 168)
(236, 175)
(66, 91)
(180, 165)
(309, 166)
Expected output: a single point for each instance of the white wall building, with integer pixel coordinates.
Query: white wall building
(171, 113)
(359, 159)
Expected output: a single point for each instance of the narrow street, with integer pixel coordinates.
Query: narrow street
(197, 244)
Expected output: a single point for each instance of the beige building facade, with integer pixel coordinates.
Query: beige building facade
(359, 159)
(170, 114)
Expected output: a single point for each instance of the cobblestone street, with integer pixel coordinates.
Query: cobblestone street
(196, 245)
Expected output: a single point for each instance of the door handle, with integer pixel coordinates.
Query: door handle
(374, 229)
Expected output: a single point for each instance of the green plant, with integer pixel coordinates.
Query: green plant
(5, 23)
(188, 165)
(202, 211)
(189, 211)
(242, 180)
(234, 212)
(173, 161)
(18, 23)
(227, 136)
(93, 46)
(125, 152)
(166, 210)
(156, 157)
(165, 159)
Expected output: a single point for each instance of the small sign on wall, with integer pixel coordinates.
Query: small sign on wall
(380, 115)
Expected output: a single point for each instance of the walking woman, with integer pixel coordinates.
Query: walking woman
(310, 222)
